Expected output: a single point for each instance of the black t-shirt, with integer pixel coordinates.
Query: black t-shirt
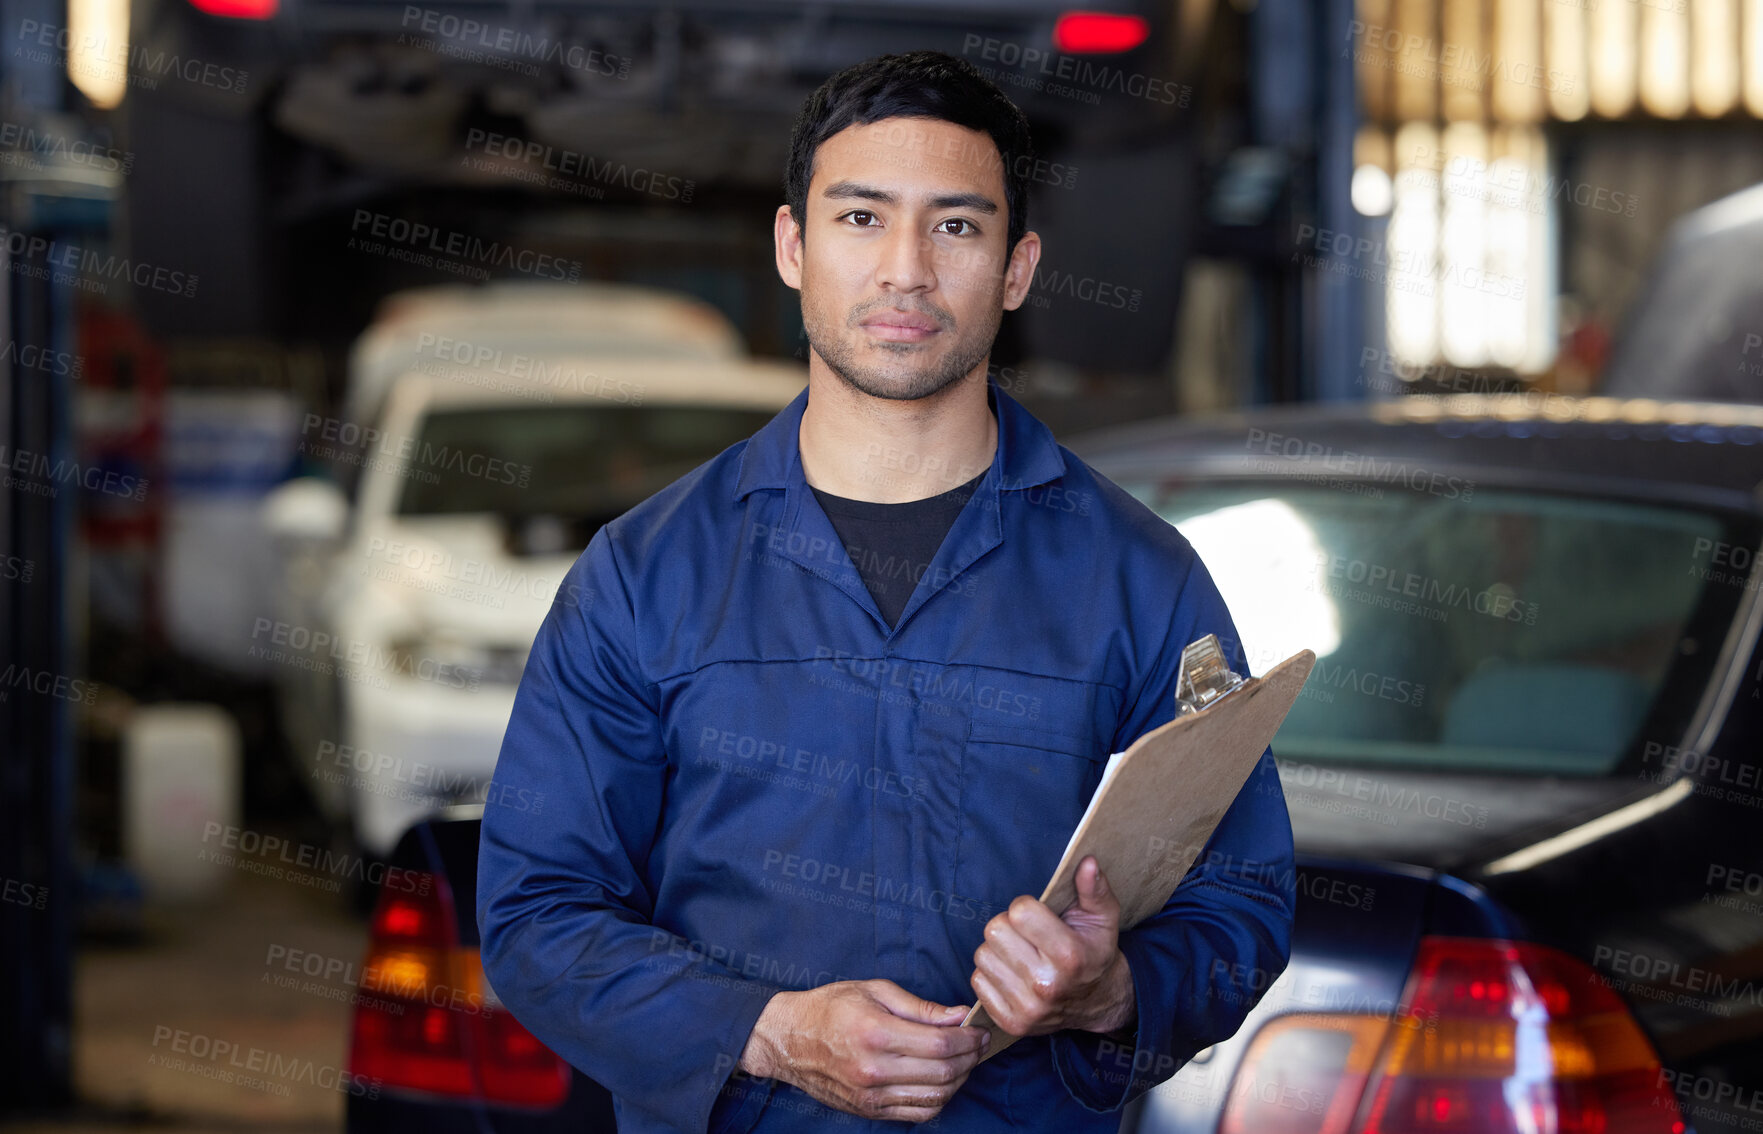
(892, 545)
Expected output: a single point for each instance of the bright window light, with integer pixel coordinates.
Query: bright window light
(97, 52)
(1665, 60)
(1271, 570)
(1714, 37)
(1612, 58)
(1373, 192)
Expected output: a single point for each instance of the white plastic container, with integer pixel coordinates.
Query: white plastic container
(181, 795)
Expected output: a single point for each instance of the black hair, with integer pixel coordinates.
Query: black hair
(917, 84)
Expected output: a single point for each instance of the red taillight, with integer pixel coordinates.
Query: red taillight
(238, 9)
(426, 1021)
(1096, 33)
(1492, 1037)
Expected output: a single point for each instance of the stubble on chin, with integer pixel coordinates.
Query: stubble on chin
(904, 382)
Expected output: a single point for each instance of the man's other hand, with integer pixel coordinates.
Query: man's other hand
(867, 1047)
(1037, 972)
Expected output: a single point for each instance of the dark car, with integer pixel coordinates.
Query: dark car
(1696, 328)
(1524, 780)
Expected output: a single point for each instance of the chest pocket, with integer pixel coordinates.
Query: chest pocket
(1033, 756)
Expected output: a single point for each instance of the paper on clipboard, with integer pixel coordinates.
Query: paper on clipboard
(1160, 800)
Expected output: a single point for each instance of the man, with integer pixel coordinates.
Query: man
(819, 718)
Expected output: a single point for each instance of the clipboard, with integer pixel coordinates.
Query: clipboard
(1161, 799)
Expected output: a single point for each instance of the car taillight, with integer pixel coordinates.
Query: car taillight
(426, 1021)
(1491, 1037)
(1095, 33)
(238, 9)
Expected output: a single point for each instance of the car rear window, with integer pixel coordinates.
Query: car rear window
(1507, 631)
(572, 460)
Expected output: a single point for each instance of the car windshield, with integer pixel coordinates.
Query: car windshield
(589, 460)
(1508, 631)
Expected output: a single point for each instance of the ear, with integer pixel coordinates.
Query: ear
(786, 236)
(1020, 272)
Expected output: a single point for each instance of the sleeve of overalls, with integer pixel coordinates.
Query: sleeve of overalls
(565, 905)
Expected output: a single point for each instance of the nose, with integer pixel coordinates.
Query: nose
(906, 262)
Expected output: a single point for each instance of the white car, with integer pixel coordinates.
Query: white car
(494, 327)
(406, 620)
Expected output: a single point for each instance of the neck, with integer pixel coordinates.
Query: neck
(866, 448)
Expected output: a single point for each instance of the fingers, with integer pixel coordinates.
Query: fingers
(1034, 938)
(910, 1073)
(912, 1102)
(907, 1040)
(1095, 898)
(882, 1052)
(924, 1107)
(1006, 1000)
(1034, 968)
(909, 1007)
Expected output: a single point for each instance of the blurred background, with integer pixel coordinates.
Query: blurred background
(330, 330)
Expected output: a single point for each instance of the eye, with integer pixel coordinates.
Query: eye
(859, 213)
(961, 221)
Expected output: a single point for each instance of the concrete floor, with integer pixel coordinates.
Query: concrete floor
(224, 974)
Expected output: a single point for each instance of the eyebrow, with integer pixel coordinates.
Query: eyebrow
(853, 190)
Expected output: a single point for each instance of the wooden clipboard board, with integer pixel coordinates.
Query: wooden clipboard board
(1153, 815)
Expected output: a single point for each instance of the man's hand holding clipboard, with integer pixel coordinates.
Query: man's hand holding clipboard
(1054, 963)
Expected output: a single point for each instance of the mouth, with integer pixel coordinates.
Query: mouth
(900, 326)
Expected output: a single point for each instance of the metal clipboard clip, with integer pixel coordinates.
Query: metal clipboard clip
(1204, 676)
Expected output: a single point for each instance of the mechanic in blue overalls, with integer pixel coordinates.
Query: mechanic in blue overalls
(814, 723)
